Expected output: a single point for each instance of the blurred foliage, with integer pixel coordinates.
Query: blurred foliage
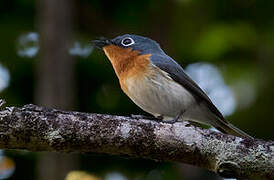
(236, 36)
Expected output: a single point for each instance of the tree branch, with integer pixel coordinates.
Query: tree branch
(41, 129)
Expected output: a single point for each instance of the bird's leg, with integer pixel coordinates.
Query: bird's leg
(176, 118)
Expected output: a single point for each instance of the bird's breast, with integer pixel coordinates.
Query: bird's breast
(155, 92)
(147, 85)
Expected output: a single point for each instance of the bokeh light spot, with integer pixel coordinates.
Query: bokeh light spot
(4, 78)
(115, 176)
(209, 78)
(81, 49)
(7, 166)
(28, 45)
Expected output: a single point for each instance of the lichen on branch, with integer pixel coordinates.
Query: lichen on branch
(37, 128)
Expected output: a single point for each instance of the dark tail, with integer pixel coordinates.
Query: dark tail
(227, 128)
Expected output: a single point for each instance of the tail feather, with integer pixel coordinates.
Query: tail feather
(201, 114)
(227, 128)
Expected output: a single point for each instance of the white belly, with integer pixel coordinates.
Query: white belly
(159, 95)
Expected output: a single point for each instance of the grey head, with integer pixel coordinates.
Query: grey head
(143, 44)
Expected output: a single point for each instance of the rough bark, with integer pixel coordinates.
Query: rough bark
(42, 129)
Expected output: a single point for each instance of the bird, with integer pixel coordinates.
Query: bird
(159, 85)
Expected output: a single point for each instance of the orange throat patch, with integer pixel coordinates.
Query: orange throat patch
(128, 64)
(125, 61)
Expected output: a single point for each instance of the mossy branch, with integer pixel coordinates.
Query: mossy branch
(42, 129)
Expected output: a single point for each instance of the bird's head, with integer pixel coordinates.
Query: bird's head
(127, 46)
(128, 51)
(141, 44)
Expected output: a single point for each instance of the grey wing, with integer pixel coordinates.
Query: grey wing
(177, 73)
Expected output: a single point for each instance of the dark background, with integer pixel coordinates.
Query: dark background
(46, 58)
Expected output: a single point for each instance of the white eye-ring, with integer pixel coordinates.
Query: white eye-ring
(127, 41)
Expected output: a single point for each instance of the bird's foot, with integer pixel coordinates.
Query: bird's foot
(175, 119)
(161, 119)
(171, 121)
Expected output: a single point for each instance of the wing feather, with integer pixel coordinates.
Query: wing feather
(177, 73)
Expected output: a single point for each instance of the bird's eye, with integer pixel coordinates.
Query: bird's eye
(127, 41)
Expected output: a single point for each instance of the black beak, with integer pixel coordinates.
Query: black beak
(101, 43)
